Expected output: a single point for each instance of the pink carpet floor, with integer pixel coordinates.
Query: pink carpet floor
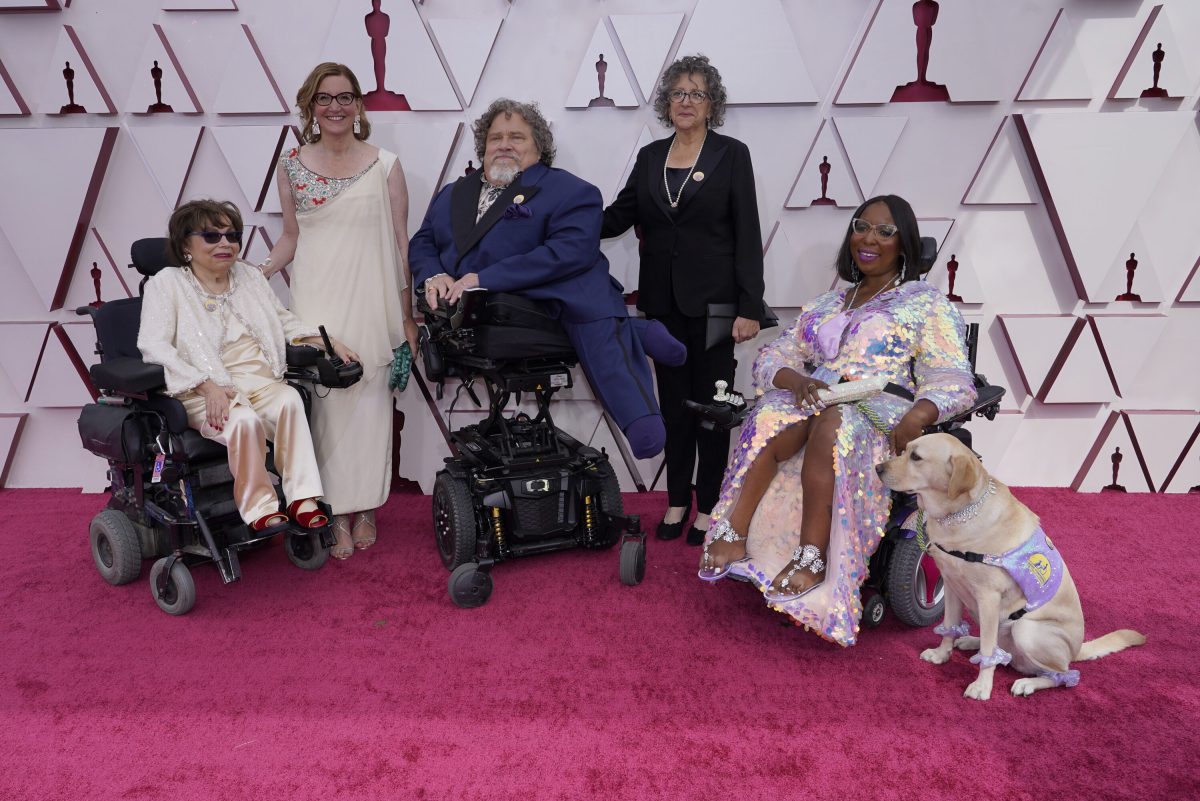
(362, 680)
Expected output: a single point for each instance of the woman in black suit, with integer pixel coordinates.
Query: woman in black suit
(692, 198)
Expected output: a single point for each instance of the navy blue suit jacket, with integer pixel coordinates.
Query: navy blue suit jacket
(553, 254)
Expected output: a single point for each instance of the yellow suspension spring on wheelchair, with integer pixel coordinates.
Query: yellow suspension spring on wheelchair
(589, 515)
(498, 527)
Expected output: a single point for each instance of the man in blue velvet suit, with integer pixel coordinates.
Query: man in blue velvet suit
(519, 225)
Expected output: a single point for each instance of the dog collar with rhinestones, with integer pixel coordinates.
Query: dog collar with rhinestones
(969, 511)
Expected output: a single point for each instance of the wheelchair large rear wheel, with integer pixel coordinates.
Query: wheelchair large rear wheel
(179, 596)
(115, 547)
(453, 520)
(914, 585)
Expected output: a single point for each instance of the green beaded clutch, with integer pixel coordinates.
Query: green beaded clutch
(402, 359)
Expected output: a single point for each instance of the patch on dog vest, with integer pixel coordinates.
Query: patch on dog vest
(1036, 566)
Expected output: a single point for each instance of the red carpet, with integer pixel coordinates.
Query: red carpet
(362, 680)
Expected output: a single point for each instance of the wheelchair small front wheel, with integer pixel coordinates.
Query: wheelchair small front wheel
(914, 585)
(470, 587)
(633, 561)
(874, 609)
(179, 595)
(305, 550)
(115, 547)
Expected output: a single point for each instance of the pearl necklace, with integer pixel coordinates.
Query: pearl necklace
(212, 300)
(675, 200)
(971, 510)
(850, 303)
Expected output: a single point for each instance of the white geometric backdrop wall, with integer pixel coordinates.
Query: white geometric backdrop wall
(1041, 175)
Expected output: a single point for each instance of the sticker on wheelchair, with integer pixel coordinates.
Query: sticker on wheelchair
(560, 380)
(159, 461)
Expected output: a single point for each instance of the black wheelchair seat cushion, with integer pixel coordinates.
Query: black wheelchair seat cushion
(514, 327)
(196, 449)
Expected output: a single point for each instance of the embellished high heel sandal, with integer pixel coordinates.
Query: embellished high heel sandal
(805, 557)
(362, 522)
(307, 514)
(343, 548)
(723, 531)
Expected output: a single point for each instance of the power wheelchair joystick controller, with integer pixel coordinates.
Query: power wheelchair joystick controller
(333, 371)
(726, 411)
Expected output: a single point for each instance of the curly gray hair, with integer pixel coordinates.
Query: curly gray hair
(542, 138)
(691, 65)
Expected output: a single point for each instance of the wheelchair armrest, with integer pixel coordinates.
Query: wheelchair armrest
(302, 355)
(127, 375)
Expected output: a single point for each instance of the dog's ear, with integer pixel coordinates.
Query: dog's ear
(964, 473)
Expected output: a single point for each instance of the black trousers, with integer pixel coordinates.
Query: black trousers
(686, 441)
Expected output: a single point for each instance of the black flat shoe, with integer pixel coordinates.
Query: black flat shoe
(696, 536)
(671, 531)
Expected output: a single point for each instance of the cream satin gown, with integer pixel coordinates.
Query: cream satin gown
(347, 276)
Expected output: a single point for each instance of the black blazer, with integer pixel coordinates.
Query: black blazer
(710, 251)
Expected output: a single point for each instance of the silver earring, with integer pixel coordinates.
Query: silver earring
(187, 258)
(357, 126)
(315, 130)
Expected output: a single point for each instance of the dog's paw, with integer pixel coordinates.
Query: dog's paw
(967, 643)
(1026, 686)
(935, 655)
(980, 689)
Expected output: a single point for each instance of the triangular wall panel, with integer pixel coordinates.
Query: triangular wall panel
(1036, 341)
(840, 187)
(600, 58)
(168, 153)
(11, 426)
(1179, 66)
(869, 143)
(47, 220)
(753, 45)
(22, 351)
(1162, 437)
(1003, 177)
(158, 58)
(252, 152)
(646, 40)
(248, 87)
(1079, 374)
(466, 45)
(1115, 449)
(1060, 71)
(71, 60)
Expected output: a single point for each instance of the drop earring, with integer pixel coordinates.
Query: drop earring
(315, 130)
(357, 126)
(187, 258)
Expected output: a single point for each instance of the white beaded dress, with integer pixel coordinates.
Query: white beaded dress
(347, 275)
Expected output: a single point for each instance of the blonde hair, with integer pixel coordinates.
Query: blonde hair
(308, 91)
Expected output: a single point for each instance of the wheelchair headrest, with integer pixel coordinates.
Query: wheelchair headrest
(150, 255)
(929, 249)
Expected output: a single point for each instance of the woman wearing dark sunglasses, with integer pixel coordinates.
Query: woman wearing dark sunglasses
(345, 235)
(219, 331)
(805, 471)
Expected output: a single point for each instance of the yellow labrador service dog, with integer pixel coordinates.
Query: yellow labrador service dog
(997, 563)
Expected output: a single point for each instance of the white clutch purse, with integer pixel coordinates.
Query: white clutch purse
(851, 391)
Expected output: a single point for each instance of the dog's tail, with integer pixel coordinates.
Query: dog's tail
(1110, 643)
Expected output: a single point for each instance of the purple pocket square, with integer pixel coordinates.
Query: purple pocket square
(517, 211)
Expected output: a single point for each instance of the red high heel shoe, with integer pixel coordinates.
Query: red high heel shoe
(310, 518)
(269, 520)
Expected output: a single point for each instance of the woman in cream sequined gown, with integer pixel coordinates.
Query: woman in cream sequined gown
(345, 208)
(809, 555)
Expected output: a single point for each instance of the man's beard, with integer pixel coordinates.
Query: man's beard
(502, 172)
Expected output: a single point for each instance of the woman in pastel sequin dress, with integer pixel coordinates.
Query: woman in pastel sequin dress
(801, 508)
(345, 233)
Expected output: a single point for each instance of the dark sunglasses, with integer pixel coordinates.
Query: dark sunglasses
(213, 237)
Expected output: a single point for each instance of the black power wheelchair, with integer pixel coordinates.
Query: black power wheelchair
(900, 573)
(171, 490)
(517, 485)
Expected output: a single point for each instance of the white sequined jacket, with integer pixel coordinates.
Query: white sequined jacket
(179, 333)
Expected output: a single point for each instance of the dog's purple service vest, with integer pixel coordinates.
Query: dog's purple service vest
(1036, 566)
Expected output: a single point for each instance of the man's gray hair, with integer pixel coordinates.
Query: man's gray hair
(543, 140)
